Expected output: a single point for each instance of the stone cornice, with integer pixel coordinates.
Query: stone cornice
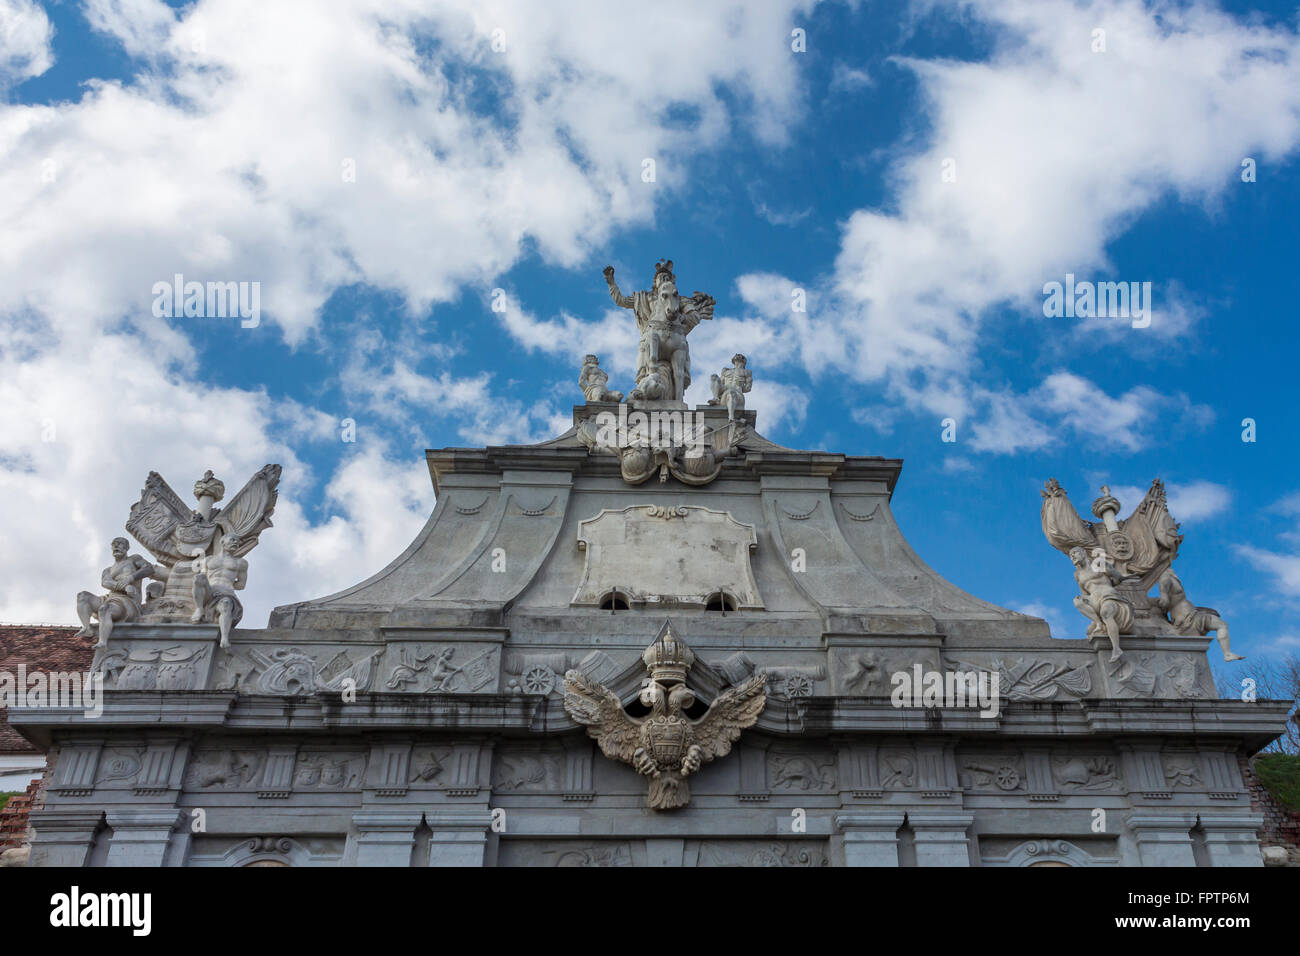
(1253, 724)
(578, 461)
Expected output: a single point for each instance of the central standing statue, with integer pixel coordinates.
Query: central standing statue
(664, 319)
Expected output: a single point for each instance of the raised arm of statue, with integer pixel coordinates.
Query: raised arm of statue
(620, 300)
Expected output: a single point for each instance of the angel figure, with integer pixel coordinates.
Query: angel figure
(664, 319)
(667, 745)
(201, 551)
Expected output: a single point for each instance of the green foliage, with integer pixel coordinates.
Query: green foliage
(4, 799)
(1280, 775)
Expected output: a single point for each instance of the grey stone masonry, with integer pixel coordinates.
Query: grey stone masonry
(425, 716)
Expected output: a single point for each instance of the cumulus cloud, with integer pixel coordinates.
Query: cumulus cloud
(1189, 502)
(25, 35)
(1052, 151)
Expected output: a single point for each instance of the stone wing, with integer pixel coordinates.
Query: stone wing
(249, 513)
(601, 712)
(732, 712)
(155, 516)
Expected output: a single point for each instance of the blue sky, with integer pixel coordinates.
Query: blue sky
(143, 140)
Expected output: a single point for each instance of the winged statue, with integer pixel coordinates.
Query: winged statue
(200, 551)
(666, 745)
(1117, 563)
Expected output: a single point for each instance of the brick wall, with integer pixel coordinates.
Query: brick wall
(44, 647)
(13, 818)
(1281, 826)
(40, 647)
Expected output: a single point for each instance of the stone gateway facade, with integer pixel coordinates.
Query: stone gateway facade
(658, 639)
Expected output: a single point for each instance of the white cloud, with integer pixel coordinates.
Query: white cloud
(25, 35)
(1285, 568)
(1052, 615)
(1056, 150)
(1189, 503)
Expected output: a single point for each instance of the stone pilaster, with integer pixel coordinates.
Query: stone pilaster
(63, 837)
(941, 838)
(870, 837)
(1163, 839)
(1230, 838)
(142, 836)
(459, 836)
(385, 837)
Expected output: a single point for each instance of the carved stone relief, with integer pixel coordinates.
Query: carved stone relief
(224, 770)
(442, 669)
(897, 768)
(1181, 772)
(518, 772)
(428, 764)
(756, 853)
(1033, 678)
(614, 854)
(291, 671)
(801, 772)
(119, 764)
(329, 770)
(1152, 675)
(992, 772)
(153, 666)
(1086, 774)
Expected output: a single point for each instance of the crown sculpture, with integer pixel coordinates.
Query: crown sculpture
(666, 746)
(646, 445)
(199, 552)
(1118, 562)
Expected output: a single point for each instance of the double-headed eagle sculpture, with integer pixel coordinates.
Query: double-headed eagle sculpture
(666, 745)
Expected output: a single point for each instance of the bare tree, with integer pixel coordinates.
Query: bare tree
(1274, 679)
